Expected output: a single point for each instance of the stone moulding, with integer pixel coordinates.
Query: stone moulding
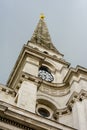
(26, 50)
(78, 70)
(27, 120)
(14, 123)
(7, 90)
(55, 89)
(73, 98)
(77, 97)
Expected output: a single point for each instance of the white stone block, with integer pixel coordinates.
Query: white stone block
(27, 96)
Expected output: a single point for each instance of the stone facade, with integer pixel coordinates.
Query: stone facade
(43, 92)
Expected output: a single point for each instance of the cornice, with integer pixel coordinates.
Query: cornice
(7, 90)
(14, 123)
(39, 82)
(38, 45)
(27, 119)
(78, 80)
(47, 55)
(78, 70)
(77, 97)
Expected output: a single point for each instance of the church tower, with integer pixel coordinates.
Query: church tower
(43, 92)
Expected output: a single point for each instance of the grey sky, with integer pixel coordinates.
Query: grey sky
(66, 21)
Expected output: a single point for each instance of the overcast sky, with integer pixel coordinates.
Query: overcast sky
(66, 21)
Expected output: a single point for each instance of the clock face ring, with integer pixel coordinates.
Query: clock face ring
(45, 75)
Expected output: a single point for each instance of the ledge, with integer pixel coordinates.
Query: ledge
(29, 119)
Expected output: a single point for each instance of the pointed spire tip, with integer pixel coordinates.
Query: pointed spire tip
(42, 16)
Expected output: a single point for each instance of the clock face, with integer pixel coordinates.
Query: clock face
(45, 75)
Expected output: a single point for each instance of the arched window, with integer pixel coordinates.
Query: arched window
(44, 68)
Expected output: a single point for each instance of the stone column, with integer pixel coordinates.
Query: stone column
(27, 96)
(79, 117)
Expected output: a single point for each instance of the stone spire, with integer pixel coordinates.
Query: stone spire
(41, 35)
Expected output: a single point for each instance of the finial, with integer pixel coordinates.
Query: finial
(42, 16)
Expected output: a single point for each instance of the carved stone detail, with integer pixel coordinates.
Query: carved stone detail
(54, 92)
(14, 123)
(74, 98)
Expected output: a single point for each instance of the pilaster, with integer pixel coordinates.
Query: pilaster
(27, 96)
(79, 117)
(77, 102)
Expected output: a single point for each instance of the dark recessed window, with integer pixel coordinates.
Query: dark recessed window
(43, 112)
(45, 52)
(44, 68)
